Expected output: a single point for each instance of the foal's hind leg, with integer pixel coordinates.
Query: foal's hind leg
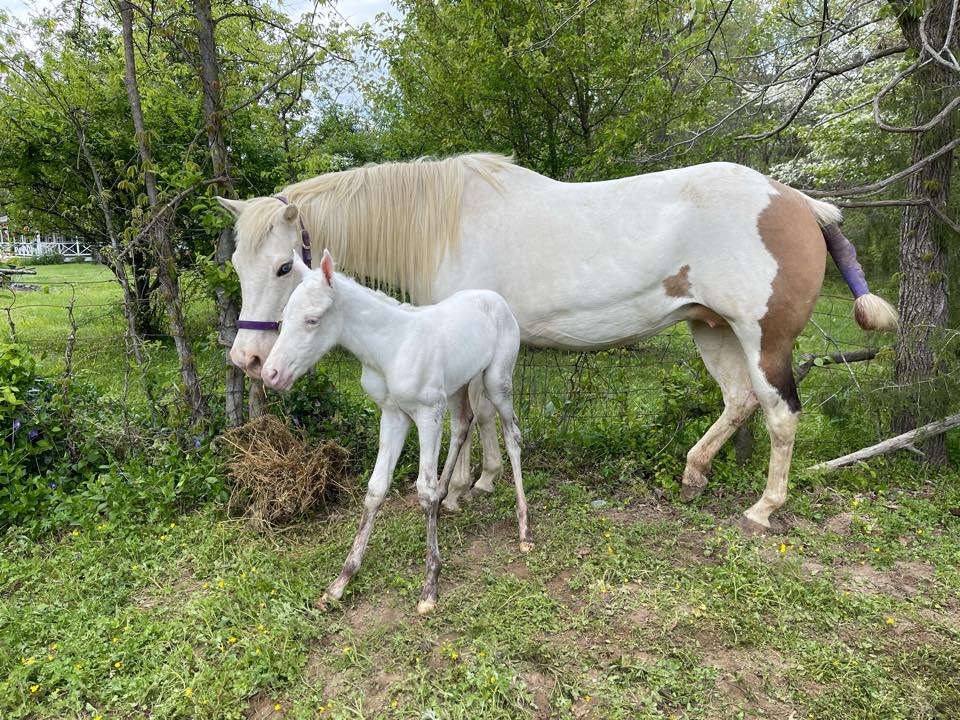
(723, 355)
(498, 380)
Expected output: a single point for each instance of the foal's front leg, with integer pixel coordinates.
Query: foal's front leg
(394, 424)
(429, 420)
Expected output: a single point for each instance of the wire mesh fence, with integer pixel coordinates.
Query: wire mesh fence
(71, 316)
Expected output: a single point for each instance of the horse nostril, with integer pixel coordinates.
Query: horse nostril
(254, 363)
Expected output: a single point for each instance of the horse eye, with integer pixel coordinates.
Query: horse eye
(284, 269)
(311, 320)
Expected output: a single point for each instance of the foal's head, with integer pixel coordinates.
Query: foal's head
(268, 234)
(311, 325)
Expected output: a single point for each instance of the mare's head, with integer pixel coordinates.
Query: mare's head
(310, 327)
(267, 235)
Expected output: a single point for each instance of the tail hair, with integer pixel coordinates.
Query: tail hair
(870, 311)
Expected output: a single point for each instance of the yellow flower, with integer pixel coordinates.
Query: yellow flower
(278, 707)
(261, 628)
(609, 550)
(54, 646)
(98, 717)
(783, 547)
(188, 692)
(347, 650)
(243, 574)
(114, 639)
(117, 664)
(394, 703)
(34, 688)
(257, 651)
(890, 621)
(586, 698)
(205, 585)
(79, 666)
(220, 583)
(172, 525)
(919, 531)
(493, 679)
(231, 639)
(75, 533)
(28, 661)
(482, 654)
(49, 657)
(454, 656)
(163, 538)
(607, 535)
(321, 710)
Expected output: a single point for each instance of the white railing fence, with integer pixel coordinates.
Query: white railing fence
(20, 245)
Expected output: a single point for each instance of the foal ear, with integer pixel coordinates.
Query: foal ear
(290, 213)
(233, 207)
(326, 267)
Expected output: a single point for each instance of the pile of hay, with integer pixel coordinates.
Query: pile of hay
(279, 475)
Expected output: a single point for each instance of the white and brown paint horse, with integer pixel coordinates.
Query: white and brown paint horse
(737, 255)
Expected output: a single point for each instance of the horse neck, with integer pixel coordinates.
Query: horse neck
(371, 327)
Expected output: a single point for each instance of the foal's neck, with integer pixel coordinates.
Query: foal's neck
(372, 324)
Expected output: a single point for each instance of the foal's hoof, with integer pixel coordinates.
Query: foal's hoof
(425, 607)
(525, 547)
(751, 527)
(694, 483)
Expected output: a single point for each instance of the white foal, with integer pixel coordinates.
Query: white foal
(416, 361)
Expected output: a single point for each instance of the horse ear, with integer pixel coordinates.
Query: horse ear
(290, 213)
(234, 207)
(326, 267)
(300, 267)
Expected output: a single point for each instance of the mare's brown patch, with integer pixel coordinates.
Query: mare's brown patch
(678, 285)
(790, 232)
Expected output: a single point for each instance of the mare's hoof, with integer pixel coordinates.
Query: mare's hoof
(425, 607)
(525, 547)
(694, 483)
(752, 527)
(450, 508)
(326, 602)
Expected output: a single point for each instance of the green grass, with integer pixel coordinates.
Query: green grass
(636, 609)
(632, 605)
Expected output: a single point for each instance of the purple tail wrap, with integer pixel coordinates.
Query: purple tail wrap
(845, 256)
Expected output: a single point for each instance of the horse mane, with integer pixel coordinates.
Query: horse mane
(391, 223)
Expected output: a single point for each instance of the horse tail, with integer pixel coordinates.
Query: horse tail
(870, 311)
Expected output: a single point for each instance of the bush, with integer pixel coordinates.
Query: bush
(62, 463)
(46, 258)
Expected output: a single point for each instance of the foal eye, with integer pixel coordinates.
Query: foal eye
(284, 269)
(311, 320)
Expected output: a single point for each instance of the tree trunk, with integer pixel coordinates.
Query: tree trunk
(166, 264)
(924, 262)
(227, 307)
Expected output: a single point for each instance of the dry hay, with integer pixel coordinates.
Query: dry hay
(279, 475)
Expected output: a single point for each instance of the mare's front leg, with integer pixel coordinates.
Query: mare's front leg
(394, 424)
(429, 420)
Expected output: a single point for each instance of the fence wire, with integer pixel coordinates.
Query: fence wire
(74, 321)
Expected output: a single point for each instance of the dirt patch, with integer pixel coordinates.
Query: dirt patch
(840, 524)
(903, 580)
(262, 707)
(377, 692)
(559, 586)
(176, 595)
(744, 681)
(541, 687)
(374, 613)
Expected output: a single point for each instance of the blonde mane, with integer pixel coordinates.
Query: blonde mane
(390, 223)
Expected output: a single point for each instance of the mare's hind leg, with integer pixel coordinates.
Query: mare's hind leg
(723, 356)
(462, 481)
(461, 422)
(777, 391)
(487, 422)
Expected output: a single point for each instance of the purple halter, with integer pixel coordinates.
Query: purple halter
(307, 259)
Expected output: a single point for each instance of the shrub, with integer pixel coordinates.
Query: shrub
(62, 463)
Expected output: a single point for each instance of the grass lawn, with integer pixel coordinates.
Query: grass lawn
(631, 605)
